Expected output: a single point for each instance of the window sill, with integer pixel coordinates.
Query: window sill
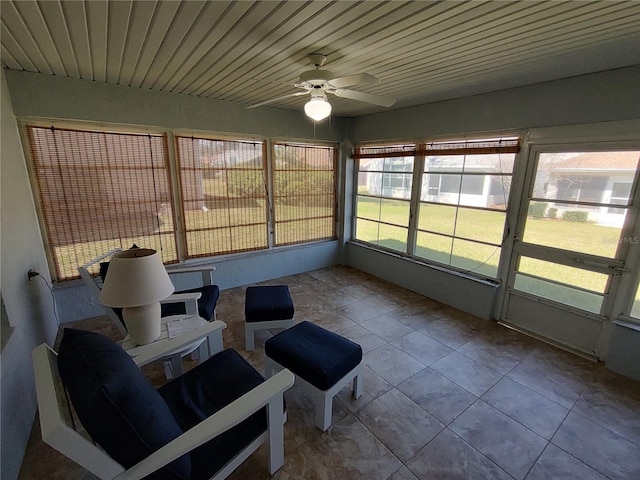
(441, 268)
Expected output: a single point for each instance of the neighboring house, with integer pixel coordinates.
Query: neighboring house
(595, 177)
(472, 181)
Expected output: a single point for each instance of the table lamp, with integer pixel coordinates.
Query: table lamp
(136, 281)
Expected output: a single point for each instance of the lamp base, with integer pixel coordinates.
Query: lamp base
(143, 323)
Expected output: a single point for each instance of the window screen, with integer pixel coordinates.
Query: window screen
(304, 193)
(224, 195)
(101, 190)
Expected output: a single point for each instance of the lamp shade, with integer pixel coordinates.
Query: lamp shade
(317, 108)
(136, 277)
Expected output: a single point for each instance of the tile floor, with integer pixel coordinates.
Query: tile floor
(446, 396)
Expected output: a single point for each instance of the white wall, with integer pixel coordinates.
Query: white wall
(48, 96)
(466, 294)
(624, 348)
(600, 97)
(29, 306)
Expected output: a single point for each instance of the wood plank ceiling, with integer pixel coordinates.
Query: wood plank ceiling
(249, 52)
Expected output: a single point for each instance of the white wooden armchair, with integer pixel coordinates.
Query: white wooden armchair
(196, 445)
(199, 301)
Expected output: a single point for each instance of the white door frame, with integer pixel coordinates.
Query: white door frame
(544, 315)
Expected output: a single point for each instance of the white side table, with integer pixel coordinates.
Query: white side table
(202, 335)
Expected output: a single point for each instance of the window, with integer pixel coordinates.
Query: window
(304, 187)
(583, 188)
(620, 193)
(383, 196)
(99, 191)
(459, 206)
(103, 190)
(224, 195)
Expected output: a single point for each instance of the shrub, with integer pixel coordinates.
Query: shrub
(304, 187)
(243, 183)
(552, 213)
(537, 210)
(575, 216)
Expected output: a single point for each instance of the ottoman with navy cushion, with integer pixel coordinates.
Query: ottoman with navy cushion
(266, 307)
(321, 360)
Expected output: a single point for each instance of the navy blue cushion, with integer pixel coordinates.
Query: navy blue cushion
(271, 302)
(115, 402)
(313, 353)
(206, 303)
(204, 390)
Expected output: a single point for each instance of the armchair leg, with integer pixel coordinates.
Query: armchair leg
(203, 352)
(173, 367)
(248, 338)
(276, 434)
(357, 385)
(270, 368)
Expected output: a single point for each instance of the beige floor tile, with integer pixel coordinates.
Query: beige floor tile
(403, 473)
(557, 464)
(448, 457)
(363, 337)
(614, 408)
(510, 445)
(339, 454)
(559, 382)
(467, 373)
(406, 431)
(526, 406)
(438, 395)
(607, 452)
(392, 364)
(453, 334)
(386, 327)
(501, 350)
(422, 347)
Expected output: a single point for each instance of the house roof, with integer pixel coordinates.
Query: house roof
(605, 161)
(252, 51)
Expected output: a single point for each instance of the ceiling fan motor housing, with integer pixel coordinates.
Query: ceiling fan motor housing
(316, 76)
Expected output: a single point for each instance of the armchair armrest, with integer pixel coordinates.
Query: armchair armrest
(190, 301)
(205, 271)
(101, 257)
(269, 392)
(145, 354)
(182, 297)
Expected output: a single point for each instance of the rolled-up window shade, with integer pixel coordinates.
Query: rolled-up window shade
(101, 190)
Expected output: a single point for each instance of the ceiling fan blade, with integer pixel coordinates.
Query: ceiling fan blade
(297, 94)
(365, 97)
(352, 80)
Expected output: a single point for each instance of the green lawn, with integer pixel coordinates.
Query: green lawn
(442, 222)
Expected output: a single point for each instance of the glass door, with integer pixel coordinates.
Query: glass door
(572, 243)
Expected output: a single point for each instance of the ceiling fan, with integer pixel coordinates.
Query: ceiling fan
(318, 83)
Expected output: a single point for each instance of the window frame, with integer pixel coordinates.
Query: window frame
(273, 194)
(513, 141)
(230, 228)
(401, 150)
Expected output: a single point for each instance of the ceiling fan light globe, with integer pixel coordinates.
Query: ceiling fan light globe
(317, 108)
